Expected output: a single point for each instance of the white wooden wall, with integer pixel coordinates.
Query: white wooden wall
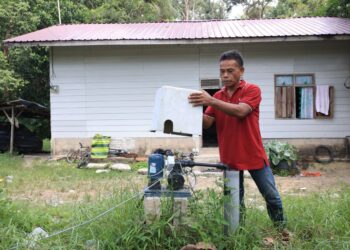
(110, 90)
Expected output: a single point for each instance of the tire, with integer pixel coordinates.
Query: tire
(83, 162)
(72, 156)
(84, 159)
(319, 150)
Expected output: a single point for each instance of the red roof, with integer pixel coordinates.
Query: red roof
(189, 30)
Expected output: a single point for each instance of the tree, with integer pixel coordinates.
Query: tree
(24, 72)
(297, 8)
(301, 8)
(10, 82)
(339, 8)
(253, 9)
(200, 9)
(113, 11)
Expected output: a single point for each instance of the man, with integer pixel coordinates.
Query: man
(235, 110)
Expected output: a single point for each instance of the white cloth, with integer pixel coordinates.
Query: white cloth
(322, 99)
(306, 104)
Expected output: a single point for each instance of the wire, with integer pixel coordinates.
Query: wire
(94, 218)
(189, 184)
(98, 216)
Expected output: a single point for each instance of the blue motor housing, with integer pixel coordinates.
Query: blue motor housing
(155, 170)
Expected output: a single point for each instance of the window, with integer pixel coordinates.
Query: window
(295, 97)
(210, 84)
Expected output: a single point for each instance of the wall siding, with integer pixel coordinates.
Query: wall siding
(110, 89)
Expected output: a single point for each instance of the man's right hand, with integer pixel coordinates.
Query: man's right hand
(201, 99)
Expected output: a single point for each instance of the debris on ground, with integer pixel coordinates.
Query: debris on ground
(286, 235)
(199, 246)
(121, 167)
(91, 245)
(97, 165)
(142, 171)
(9, 178)
(310, 174)
(37, 234)
(268, 241)
(99, 171)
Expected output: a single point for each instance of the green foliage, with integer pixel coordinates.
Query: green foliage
(10, 82)
(47, 145)
(113, 11)
(200, 9)
(253, 9)
(278, 151)
(301, 8)
(138, 165)
(339, 8)
(317, 220)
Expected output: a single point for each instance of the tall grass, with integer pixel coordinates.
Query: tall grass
(318, 221)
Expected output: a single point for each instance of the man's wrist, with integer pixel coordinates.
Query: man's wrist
(212, 101)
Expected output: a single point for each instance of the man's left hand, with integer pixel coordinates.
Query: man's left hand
(201, 99)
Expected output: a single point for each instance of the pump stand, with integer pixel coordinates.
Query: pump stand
(176, 190)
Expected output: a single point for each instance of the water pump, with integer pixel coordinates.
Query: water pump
(164, 163)
(159, 163)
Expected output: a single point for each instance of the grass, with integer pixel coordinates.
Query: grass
(47, 145)
(318, 221)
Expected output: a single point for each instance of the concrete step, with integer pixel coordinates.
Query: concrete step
(208, 155)
(209, 151)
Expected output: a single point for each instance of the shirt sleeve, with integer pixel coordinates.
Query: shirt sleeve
(251, 96)
(210, 111)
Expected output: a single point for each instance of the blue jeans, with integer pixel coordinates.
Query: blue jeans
(265, 182)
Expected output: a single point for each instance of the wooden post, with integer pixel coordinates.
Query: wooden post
(12, 129)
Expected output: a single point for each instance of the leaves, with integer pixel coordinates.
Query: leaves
(300, 8)
(278, 151)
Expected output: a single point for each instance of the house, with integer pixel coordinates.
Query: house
(104, 77)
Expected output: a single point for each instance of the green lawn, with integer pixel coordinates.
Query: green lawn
(56, 196)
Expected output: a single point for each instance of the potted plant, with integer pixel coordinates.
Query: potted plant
(282, 157)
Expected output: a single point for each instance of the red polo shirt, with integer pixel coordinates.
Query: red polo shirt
(240, 142)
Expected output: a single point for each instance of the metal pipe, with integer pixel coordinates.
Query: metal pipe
(12, 129)
(231, 203)
(188, 163)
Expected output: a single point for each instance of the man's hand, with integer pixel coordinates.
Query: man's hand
(201, 99)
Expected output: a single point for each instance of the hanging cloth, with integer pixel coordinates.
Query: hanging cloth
(306, 103)
(322, 99)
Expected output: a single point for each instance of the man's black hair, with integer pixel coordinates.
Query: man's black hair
(232, 55)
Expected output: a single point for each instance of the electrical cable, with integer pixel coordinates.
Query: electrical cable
(189, 184)
(94, 218)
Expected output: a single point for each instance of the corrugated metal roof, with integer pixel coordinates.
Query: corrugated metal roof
(190, 30)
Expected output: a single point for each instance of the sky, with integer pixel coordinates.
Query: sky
(237, 11)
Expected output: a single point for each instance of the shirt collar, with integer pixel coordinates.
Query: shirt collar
(240, 86)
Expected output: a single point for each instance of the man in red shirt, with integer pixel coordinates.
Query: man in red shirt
(235, 110)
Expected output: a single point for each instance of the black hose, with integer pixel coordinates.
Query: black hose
(187, 163)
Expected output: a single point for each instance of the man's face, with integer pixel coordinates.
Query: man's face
(230, 72)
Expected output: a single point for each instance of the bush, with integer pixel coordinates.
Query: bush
(282, 157)
(280, 151)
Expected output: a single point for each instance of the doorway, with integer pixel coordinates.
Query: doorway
(209, 135)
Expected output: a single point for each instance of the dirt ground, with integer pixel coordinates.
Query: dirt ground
(333, 176)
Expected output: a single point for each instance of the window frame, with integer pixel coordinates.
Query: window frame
(294, 85)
